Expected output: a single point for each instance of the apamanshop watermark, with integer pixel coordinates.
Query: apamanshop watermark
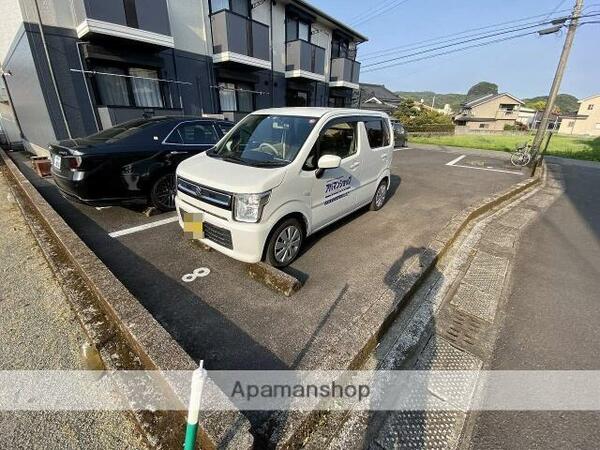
(401, 390)
(329, 391)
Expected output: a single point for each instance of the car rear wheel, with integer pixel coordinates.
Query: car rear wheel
(285, 243)
(380, 196)
(162, 194)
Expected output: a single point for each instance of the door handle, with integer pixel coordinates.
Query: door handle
(355, 165)
(175, 152)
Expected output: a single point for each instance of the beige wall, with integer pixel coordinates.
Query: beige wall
(493, 125)
(584, 126)
(491, 109)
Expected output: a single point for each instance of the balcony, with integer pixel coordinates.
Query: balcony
(141, 20)
(305, 60)
(344, 73)
(240, 40)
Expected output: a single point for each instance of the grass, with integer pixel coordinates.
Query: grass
(576, 147)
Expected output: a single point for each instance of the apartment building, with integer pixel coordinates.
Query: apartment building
(492, 112)
(74, 67)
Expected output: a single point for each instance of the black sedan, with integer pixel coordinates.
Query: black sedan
(133, 161)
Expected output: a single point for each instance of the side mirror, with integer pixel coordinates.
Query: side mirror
(329, 162)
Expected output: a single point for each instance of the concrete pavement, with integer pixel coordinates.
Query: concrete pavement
(38, 330)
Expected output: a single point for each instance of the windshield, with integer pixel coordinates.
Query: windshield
(265, 140)
(121, 131)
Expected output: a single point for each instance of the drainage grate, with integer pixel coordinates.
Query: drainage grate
(463, 330)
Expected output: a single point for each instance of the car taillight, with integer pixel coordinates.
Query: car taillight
(73, 162)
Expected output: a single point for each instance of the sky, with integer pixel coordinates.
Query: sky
(524, 67)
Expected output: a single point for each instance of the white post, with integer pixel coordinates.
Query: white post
(194, 407)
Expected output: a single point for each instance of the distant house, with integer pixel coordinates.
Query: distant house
(587, 120)
(492, 112)
(531, 118)
(378, 97)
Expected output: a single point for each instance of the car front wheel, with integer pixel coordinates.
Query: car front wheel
(285, 243)
(162, 193)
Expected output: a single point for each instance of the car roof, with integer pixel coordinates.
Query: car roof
(184, 118)
(320, 112)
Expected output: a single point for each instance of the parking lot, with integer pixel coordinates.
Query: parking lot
(234, 322)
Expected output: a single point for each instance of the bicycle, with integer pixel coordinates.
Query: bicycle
(521, 156)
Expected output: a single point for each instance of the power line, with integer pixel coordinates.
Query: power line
(369, 11)
(482, 44)
(377, 13)
(473, 35)
(439, 38)
(460, 33)
(441, 47)
(369, 67)
(555, 9)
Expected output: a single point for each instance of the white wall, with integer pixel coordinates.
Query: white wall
(10, 12)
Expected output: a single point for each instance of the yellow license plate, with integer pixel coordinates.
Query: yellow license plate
(193, 225)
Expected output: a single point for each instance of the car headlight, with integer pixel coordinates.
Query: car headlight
(249, 207)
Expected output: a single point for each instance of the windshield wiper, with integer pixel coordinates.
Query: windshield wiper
(269, 163)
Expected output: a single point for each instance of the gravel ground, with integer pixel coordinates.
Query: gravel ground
(38, 330)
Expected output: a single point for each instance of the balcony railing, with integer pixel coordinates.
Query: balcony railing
(236, 34)
(304, 57)
(344, 70)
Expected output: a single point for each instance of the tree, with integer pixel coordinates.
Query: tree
(481, 89)
(413, 116)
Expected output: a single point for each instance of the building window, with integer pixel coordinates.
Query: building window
(241, 7)
(296, 28)
(341, 48)
(304, 31)
(112, 90)
(483, 125)
(133, 86)
(296, 97)
(146, 88)
(590, 107)
(337, 102)
(507, 107)
(236, 97)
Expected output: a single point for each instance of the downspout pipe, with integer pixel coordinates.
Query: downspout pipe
(51, 68)
(85, 82)
(272, 2)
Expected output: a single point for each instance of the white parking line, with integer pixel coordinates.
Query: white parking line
(146, 226)
(454, 161)
(514, 172)
(402, 148)
(489, 169)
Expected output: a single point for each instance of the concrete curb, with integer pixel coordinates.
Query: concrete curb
(130, 326)
(291, 431)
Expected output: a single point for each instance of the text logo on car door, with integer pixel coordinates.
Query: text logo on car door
(337, 189)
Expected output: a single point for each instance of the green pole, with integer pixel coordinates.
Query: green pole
(191, 428)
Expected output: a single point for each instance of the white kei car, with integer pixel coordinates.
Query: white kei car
(282, 174)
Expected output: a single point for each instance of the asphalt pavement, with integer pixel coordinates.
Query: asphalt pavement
(553, 316)
(234, 322)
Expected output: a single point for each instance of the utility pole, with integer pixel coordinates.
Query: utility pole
(560, 70)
